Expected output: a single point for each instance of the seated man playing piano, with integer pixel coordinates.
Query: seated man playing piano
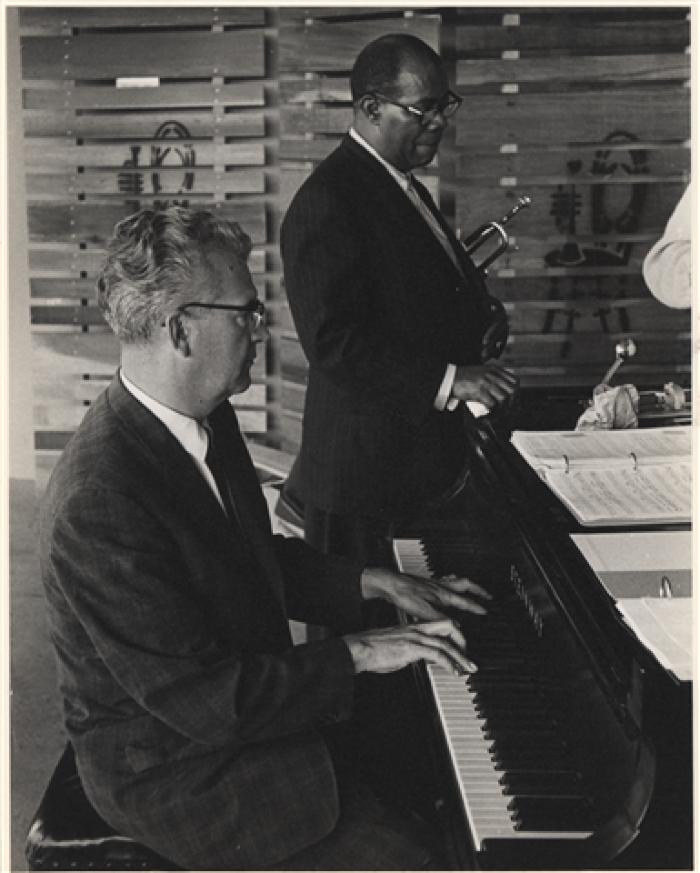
(199, 729)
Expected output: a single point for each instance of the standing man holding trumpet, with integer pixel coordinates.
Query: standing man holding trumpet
(392, 314)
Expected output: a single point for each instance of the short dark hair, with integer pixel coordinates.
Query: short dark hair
(149, 264)
(379, 64)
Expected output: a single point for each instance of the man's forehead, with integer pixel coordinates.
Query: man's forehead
(228, 276)
(422, 79)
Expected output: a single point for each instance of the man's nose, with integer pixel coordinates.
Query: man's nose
(438, 121)
(261, 334)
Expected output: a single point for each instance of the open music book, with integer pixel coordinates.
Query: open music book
(615, 477)
(649, 573)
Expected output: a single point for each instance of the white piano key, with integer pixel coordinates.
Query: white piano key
(485, 804)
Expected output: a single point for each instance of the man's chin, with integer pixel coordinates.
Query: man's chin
(424, 154)
(242, 385)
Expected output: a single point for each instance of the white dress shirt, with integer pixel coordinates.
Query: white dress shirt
(191, 435)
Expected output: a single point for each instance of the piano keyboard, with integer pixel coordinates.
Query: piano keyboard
(513, 772)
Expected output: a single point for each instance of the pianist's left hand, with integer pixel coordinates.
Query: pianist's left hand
(424, 599)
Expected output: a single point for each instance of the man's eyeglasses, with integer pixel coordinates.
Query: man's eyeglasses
(446, 106)
(255, 309)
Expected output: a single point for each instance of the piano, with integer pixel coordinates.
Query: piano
(571, 747)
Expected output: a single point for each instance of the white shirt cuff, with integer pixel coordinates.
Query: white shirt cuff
(443, 399)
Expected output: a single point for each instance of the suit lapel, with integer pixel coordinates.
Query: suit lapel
(246, 492)
(187, 486)
(410, 219)
(468, 269)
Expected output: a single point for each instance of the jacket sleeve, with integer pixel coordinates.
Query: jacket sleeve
(118, 582)
(329, 282)
(666, 267)
(320, 589)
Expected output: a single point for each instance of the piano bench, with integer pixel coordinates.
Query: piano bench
(68, 834)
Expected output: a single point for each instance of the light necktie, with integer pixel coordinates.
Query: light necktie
(415, 197)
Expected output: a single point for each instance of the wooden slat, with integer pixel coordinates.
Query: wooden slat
(172, 54)
(525, 165)
(307, 149)
(603, 34)
(58, 152)
(62, 152)
(565, 70)
(76, 314)
(141, 125)
(315, 87)
(335, 45)
(656, 114)
(73, 353)
(146, 181)
(57, 19)
(477, 205)
(270, 459)
(82, 289)
(94, 223)
(291, 431)
(597, 316)
(321, 13)
(293, 363)
(72, 261)
(316, 118)
(68, 289)
(602, 287)
(293, 395)
(74, 96)
(590, 348)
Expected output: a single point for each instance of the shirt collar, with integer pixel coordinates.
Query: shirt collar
(191, 435)
(403, 179)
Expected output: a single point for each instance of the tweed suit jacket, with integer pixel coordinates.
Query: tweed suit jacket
(380, 310)
(194, 719)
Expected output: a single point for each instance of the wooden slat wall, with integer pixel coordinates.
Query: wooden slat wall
(96, 151)
(586, 109)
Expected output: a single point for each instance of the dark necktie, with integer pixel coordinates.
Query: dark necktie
(213, 460)
(419, 195)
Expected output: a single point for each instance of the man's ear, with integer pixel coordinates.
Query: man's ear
(369, 106)
(179, 334)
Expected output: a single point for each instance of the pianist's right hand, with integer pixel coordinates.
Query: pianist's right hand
(489, 383)
(388, 649)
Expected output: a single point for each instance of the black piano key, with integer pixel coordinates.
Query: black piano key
(540, 781)
(535, 745)
(552, 813)
(545, 759)
(517, 733)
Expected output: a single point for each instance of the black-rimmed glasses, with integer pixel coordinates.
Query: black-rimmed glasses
(255, 309)
(446, 106)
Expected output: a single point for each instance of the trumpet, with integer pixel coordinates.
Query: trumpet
(493, 229)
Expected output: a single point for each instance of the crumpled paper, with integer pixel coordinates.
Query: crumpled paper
(611, 409)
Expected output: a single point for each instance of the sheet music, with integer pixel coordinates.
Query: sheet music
(665, 627)
(602, 448)
(636, 563)
(622, 495)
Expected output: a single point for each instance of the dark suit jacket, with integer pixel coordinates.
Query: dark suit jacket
(380, 310)
(194, 719)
